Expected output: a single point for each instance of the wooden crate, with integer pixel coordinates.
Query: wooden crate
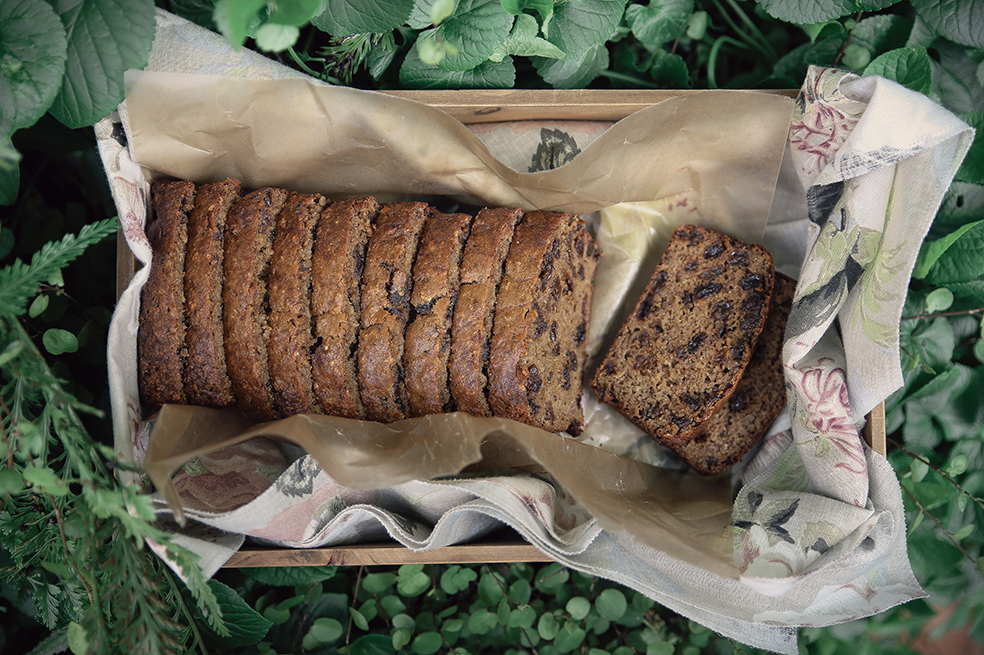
(479, 106)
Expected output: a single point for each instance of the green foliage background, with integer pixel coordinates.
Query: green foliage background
(76, 573)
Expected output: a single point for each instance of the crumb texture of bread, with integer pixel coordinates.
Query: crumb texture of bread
(734, 429)
(289, 289)
(481, 273)
(161, 348)
(250, 227)
(387, 285)
(336, 302)
(436, 280)
(682, 351)
(206, 380)
(539, 327)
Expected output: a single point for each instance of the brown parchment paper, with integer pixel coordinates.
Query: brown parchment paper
(710, 158)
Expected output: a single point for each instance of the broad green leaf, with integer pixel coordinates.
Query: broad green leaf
(415, 74)
(372, 645)
(377, 583)
(611, 604)
(932, 341)
(931, 251)
(910, 67)
(326, 630)
(419, 18)
(524, 42)
(962, 261)
(882, 33)
(967, 295)
(962, 203)
(345, 17)
(954, 77)
(234, 18)
(11, 481)
(58, 342)
(552, 578)
(670, 71)
(32, 66)
(293, 12)
(577, 27)
(245, 625)
(660, 21)
(427, 643)
(961, 22)
(570, 73)
(105, 38)
(452, 626)
(279, 576)
(379, 59)
(972, 168)
(570, 637)
(475, 29)
(803, 12)
(274, 37)
(578, 607)
(543, 8)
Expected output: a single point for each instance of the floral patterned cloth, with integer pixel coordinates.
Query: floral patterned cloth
(819, 525)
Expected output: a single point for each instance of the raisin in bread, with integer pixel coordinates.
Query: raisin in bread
(436, 279)
(336, 302)
(541, 316)
(291, 338)
(250, 227)
(161, 348)
(733, 430)
(680, 354)
(387, 284)
(481, 273)
(206, 380)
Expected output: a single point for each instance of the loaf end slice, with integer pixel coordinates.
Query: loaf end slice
(681, 353)
(537, 350)
(161, 348)
(206, 379)
(336, 303)
(733, 430)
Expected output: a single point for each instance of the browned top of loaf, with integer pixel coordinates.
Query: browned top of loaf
(481, 272)
(733, 430)
(436, 278)
(336, 302)
(682, 351)
(206, 380)
(161, 337)
(249, 245)
(387, 283)
(541, 317)
(291, 337)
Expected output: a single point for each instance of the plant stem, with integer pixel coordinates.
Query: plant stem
(939, 525)
(300, 64)
(766, 47)
(624, 77)
(184, 609)
(938, 470)
(712, 57)
(847, 41)
(962, 312)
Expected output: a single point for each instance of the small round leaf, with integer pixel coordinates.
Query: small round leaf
(939, 300)
(919, 470)
(401, 637)
(611, 604)
(548, 626)
(482, 621)
(578, 607)
(38, 306)
(58, 342)
(377, 583)
(326, 630)
(427, 643)
(958, 465)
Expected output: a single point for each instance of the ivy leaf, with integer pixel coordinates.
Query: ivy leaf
(577, 27)
(910, 67)
(931, 251)
(415, 74)
(482, 621)
(961, 22)
(475, 29)
(345, 17)
(659, 22)
(972, 168)
(882, 33)
(571, 73)
(427, 643)
(105, 38)
(962, 261)
(33, 62)
(524, 42)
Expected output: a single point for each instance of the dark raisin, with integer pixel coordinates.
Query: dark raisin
(642, 361)
(657, 327)
(425, 308)
(738, 352)
(574, 429)
(690, 266)
(680, 421)
(642, 339)
(696, 342)
(533, 381)
(700, 438)
(646, 306)
(556, 350)
(721, 311)
(540, 325)
(695, 237)
(710, 460)
(579, 246)
(609, 368)
(706, 290)
(738, 257)
(690, 401)
(566, 385)
(651, 412)
(753, 303)
(553, 332)
(579, 334)
(753, 281)
(580, 271)
(688, 300)
(714, 250)
(712, 272)
(738, 401)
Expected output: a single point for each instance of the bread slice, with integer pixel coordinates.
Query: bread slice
(481, 273)
(680, 354)
(436, 279)
(541, 316)
(250, 228)
(387, 284)
(161, 348)
(336, 302)
(206, 380)
(733, 430)
(291, 337)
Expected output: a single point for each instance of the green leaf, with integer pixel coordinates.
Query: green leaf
(359, 619)
(659, 22)
(856, 56)
(377, 583)
(293, 12)
(502, 613)
(235, 18)
(918, 469)
(939, 300)
(45, 480)
(931, 251)
(244, 624)
(577, 27)
(611, 604)
(475, 29)
(578, 607)
(910, 67)
(570, 637)
(457, 578)
(961, 22)
(488, 75)
(962, 203)
(670, 71)
(548, 626)
(804, 12)
(391, 604)
(490, 588)
(197, 11)
(482, 621)
(11, 481)
(441, 9)
(521, 591)
(411, 580)
(552, 578)
(962, 261)
(882, 33)
(404, 621)
(38, 306)
(972, 168)
(58, 342)
(401, 637)
(78, 640)
(32, 64)
(979, 350)
(326, 630)
(274, 37)
(9, 184)
(452, 626)
(427, 643)
(543, 8)
(954, 77)
(105, 38)
(346, 17)
(524, 42)
(570, 73)
(372, 645)
(523, 616)
(293, 576)
(958, 465)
